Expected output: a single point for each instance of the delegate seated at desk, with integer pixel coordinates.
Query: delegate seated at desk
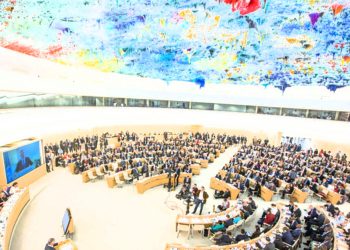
(50, 245)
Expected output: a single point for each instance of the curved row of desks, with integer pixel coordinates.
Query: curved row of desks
(267, 194)
(242, 245)
(85, 178)
(11, 216)
(157, 180)
(220, 185)
(206, 220)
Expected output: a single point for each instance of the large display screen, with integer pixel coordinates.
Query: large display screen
(22, 160)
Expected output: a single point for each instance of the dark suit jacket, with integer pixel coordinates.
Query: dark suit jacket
(297, 213)
(331, 208)
(287, 237)
(47, 247)
(241, 237)
(296, 233)
(228, 222)
(187, 180)
(21, 165)
(320, 219)
(270, 246)
(313, 213)
(224, 240)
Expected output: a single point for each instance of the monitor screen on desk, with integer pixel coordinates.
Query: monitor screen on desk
(66, 220)
(22, 160)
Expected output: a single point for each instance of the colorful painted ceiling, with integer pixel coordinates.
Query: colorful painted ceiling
(260, 42)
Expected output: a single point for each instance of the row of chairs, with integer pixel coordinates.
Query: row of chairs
(190, 229)
(99, 174)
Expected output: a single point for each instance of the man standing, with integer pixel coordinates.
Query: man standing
(177, 176)
(202, 197)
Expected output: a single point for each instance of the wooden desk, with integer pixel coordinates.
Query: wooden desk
(299, 195)
(13, 216)
(71, 167)
(157, 180)
(266, 194)
(110, 181)
(333, 197)
(204, 163)
(211, 158)
(222, 186)
(207, 219)
(196, 169)
(66, 243)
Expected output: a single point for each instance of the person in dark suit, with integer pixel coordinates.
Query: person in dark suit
(311, 214)
(256, 233)
(330, 208)
(145, 170)
(318, 221)
(229, 221)
(287, 236)
(135, 173)
(297, 211)
(201, 198)
(297, 232)
(169, 172)
(187, 181)
(24, 162)
(224, 239)
(269, 245)
(242, 236)
(177, 176)
(50, 245)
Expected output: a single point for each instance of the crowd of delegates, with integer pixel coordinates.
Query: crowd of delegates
(316, 229)
(319, 229)
(160, 155)
(265, 165)
(6, 192)
(59, 152)
(221, 234)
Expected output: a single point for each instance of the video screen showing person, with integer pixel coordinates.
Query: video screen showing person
(22, 160)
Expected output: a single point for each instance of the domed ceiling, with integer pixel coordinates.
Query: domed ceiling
(251, 42)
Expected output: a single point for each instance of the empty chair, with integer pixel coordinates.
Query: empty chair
(118, 181)
(91, 176)
(127, 178)
(184, 228)
(99, 173)
(199, 228)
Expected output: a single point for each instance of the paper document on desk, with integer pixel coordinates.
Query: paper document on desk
(66, 247)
